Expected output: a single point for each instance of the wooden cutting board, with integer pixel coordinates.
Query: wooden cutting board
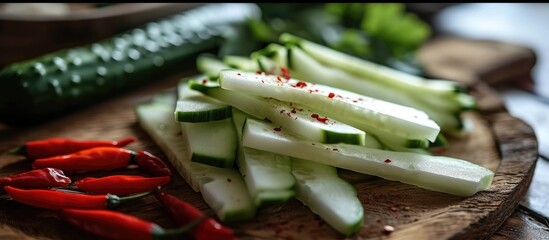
(499, 142)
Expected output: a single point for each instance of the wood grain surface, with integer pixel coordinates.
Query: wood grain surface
(499, 141)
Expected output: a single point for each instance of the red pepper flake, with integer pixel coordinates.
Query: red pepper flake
(204, 81)
(387, 160)
(278, 129)
(238, 74)
(289, 115)
(229, 180)
(415, 219)
(335, 150)
(278, 78)
(293, 110)
(331, 95)
(300, 84)
(258, 72)
(285, 72)
(267, 120)
(282, 111)
(262, 81)
(388, 229)
(318, 118)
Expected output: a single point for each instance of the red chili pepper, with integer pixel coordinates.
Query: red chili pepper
(184, 213)
(60, 146)
(55, 200)
(120, 185)
(152, 164)
(110, 224)
(99, 158)
(120, 226)
(39, 178)
(105, 158)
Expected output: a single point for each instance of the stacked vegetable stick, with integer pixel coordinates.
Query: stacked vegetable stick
(408, 161)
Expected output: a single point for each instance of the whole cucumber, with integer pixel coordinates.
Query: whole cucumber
(50, 85)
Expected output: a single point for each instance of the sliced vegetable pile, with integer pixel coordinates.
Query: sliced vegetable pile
(252, 131)
(90, 203)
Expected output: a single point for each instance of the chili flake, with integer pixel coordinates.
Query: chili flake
(387, 160)
(331, 95)
(204, 81)
(285, 72)
(300, 84)
(278, 129)
(318, 118)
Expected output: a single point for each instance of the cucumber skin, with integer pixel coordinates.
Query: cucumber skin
(53, 84)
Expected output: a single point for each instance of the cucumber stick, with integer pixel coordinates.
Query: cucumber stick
(372, 71)
(53, 84)
(267, 175)
(343, 106)
(438, 173)
(241, 63)
(306, 68)
(332, 198)
(213, 143)
(201, 108)
(223, 189)
(214, 139)
(294, 117)
(209, 65)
